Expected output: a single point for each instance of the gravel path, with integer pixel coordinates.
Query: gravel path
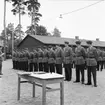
(75, 94)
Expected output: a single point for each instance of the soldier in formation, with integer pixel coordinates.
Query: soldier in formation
(80, 56)
(91, 61)
(68, 60)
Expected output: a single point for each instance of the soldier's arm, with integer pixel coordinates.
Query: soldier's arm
(96, 54)
(83, 53)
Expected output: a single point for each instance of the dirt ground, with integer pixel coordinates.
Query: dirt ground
(74, 93)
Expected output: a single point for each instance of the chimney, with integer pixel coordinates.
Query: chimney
(77, 37)
(97, 39)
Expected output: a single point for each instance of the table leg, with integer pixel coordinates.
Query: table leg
(33, 89)
(19, 87)
(62, 93)
(44, 94)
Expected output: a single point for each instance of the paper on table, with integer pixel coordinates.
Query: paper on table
(47, 75)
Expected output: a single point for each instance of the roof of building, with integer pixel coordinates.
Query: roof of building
(61, 40)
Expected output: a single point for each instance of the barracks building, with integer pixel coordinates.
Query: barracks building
(32, 41)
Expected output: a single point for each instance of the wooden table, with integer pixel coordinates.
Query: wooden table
(43, 79)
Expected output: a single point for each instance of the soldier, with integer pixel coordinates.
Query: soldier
(45, 59)
(40, 57)
(80, 55)
(99, 60)
(58, 59)
(91, 62)
(18, 60)
(26, 59)
(68, 60)
(51, 59)
(1, 61)
(35, 60)
(31, 57)
(103, 59)
(13, 59)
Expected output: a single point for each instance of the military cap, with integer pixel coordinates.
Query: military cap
(44, 46)
(66, 42)
(78, 42)
(50, 46)
(89, 42)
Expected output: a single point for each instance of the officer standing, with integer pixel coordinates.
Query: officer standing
(13, 59)
(99, 60)
(35, 60)
(68, 60)
(1, 61)
(40, 57)
(58, 59)
(91, 63)
(51, 59)
(45, 59)
(31, 61)
(80, 55)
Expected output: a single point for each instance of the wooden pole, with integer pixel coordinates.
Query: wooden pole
(4, 29)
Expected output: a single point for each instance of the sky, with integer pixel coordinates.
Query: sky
(88, 23)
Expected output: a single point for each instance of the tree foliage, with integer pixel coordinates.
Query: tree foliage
(38, 30)
(33, 10)
(56, 32)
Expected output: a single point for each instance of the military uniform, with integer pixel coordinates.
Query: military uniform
(68, 60)
(40, 58)
(13, 59)
(35, 60)
(31, 56)
(45, 60)
(103, 59)
(80, 63)
(99, 60)
(0, 63)
(58, 59)
(91, 62)
(51, 60)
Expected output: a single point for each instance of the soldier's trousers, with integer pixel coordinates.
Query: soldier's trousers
(80, 69)
(26, 65)
(30, 67)
(35, 66)
(91, 70)
(45, 67)
(13, 62)
(58, 68)
(68, 71)
(99, 63)
(52, 67)
(0, 67)
(40, 66)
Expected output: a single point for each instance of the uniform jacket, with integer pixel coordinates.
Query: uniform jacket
(92, 56)
(40, 56)
(35, 57)
(45, 56)
(0, 57)
(51, 56)
(103, 55)
(58, 56)
(99, 55)
(80, 55)
(68, 55)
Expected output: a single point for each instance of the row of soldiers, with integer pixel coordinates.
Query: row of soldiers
(48, 59)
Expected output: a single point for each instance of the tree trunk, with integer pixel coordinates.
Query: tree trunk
(19, 22)
(4, 30)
